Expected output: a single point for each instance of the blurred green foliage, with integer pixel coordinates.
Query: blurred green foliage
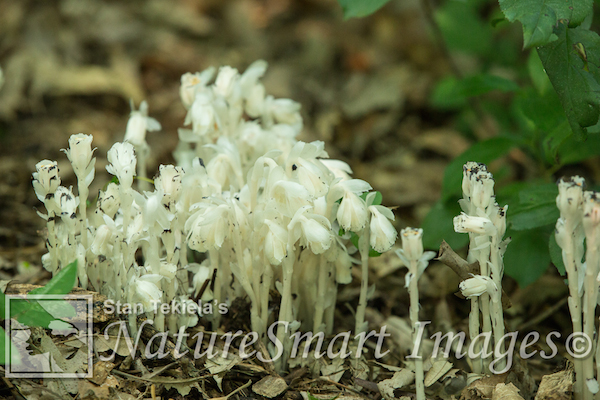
(549, 109)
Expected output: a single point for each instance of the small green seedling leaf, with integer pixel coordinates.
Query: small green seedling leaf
(360, 8)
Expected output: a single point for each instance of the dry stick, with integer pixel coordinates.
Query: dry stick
(463, 269)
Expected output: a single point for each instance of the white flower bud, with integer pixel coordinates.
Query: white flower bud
(102, 240)
(466, 223)
(499, 219)
(477, 285)
(339, 169)
(383, 234)
(121, 157)
(80, 155)
(352, 213)
(45, 179)
(146, 291)
(67, 202)
(225, 81)
(202, 115)
(482, 189)
(139, 122)
(190, 83)
(412, 243)
(286, 111)
(591, 212)
(570, 197)
(109, 200)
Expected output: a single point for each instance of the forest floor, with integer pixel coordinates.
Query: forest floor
(72, 66)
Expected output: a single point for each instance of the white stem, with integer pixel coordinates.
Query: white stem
(413, 289)
(363, 248)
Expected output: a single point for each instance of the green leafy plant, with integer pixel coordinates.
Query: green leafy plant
(30, 312)
(548, 110)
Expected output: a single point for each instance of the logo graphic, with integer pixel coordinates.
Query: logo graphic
(63, 350)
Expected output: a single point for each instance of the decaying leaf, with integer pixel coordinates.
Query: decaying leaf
(557, 386)
(400, 379)
(506, 392)
(270, 386)
(437, 371)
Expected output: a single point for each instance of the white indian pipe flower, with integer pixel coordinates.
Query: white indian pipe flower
(203, 274)
(190, 83)
(80, 155)
(109, 200)
(102, 240)
(275, 242)
(121, 157)
(168, 270)
(314, 231)
(482, 189)
(560, 234)
(169, 182)
(202, 115)
(139, 123)
(45, 179)
(570, 197)
(591, 211)
(226, 80)
(286, 111)
(189, 314)
(478, 285)
(383, 234)
(146, 291)
(498, 218)
(411, 251)
(464, 223)
(208, 227)
(340, 169)
(67, 203)
(412, 243)
(352, 213)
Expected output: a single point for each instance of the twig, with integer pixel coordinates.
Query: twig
(463, 269)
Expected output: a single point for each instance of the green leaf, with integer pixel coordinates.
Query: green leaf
(537, 73)
(360, 8)
(573, 151)
(536, 207)
(454, 93)
(527, 256)
(539, 17)
(556, 254)
(61, 283)
(463, 28)
(438, 225)
(484, 152)
(571, 64)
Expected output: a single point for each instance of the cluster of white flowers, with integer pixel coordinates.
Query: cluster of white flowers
(264, 209)
(578, 235)
(485, 221)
